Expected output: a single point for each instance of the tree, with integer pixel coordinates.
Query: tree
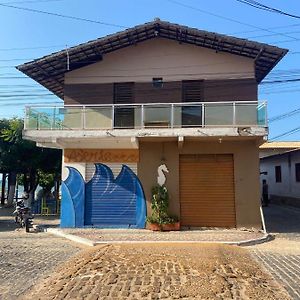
(4, 123)
(24, 157)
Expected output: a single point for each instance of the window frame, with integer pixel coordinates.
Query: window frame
(297, 172)
(278, 174)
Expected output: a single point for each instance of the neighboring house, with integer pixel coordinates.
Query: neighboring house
(158, 93)
(282, 173)
(272, 148)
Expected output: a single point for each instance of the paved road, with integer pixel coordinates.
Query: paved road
(25, 258)
(281, 257)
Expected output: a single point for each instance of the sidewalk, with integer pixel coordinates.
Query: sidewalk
(94, 236)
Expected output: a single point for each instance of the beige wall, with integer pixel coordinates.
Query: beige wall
(163, 58)
(246, 173)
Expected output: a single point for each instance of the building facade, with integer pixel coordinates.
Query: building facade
(282, 173)
(153, 95)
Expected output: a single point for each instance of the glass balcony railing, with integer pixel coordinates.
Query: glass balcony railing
(160, 115)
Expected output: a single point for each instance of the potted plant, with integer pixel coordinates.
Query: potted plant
(160, 219)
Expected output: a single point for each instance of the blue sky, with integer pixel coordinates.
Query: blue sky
(47, 34)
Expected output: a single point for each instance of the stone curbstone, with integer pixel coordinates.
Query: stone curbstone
(87, 242)
(71, 237)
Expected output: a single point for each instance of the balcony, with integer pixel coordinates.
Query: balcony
(145, 116)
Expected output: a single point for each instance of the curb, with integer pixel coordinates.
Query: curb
(87, 242)
(70, 237)
(266, 238)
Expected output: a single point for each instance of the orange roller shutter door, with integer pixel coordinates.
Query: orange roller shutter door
(207, 190)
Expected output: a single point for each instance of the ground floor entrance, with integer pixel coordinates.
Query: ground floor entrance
(210, 184)
(207, 190)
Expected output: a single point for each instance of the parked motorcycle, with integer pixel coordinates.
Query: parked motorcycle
(23, 215)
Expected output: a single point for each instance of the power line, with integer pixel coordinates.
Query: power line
(261, 6)
(285, 115)
(32, 48)
(226, 18)
(274, 27)
(63, 16)
(63, 46)
(30, 103)
(272, 34)
(237, 76)
(30, 1)
(281, 81)
(287, 133)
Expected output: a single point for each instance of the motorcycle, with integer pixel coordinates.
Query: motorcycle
(23, 215)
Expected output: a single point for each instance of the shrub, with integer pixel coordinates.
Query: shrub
(160, 206)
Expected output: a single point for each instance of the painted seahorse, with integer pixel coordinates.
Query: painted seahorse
(161, 178)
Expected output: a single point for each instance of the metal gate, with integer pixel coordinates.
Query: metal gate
(114, 202)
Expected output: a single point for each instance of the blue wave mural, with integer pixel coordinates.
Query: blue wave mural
(104, 201)
(72, 204)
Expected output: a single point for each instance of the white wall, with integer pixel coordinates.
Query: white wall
(163, 58)
(288, 187)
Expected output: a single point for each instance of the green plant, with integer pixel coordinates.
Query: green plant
(153, 219)
(160, 206)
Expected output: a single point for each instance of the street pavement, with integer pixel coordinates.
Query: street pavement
(50, 266)
(160, 271)
(281, 257)
(27, 258)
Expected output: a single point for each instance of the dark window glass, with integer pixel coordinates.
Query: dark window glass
(124, 115)
(157, 82)
(297, 171)
(192, 91)
(278, 173)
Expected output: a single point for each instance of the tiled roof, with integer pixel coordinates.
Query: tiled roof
(280, 145)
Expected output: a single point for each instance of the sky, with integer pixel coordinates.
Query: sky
(26, 35)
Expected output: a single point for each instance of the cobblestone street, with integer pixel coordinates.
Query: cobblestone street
(160, 271)
(26, 258)
(281, 257)
(145, 271)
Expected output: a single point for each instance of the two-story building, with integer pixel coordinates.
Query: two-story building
(156, 94)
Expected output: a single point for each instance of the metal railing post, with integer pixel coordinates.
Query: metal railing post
(142, 115)
(266, 114)
(26, 117)
(53, 119)
(83, 117)
(172, 115)
(234, 113)
(38, 121)
(203, 114)
(113, 117)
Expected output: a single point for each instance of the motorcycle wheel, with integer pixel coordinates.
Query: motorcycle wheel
(27, 225)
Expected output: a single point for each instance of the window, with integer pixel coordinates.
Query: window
(157, 82)
(192, 91)
(123, 115)
(297, 172)
(278, 173)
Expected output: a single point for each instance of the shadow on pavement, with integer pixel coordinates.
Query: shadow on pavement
(8, 225)
(282, 219)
